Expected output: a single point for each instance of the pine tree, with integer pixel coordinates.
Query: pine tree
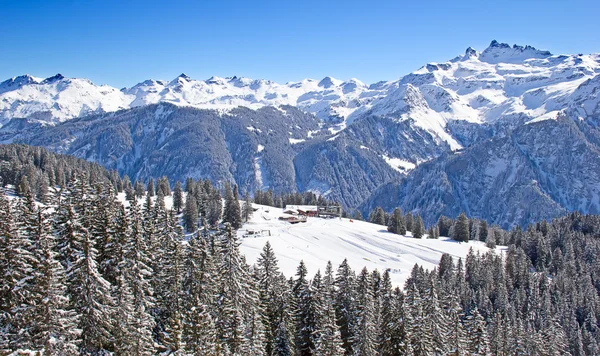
(150, 188)
(304, 312)
(365, 343)
(418, 227)
(138, 187)
(483, 231)
(281, 344)
(273, 299)
(200, 291)
(190, 214)
(409, 221)
(170, 276)
(418, 335)
(345, 307)
(89, 291)
(490, 241)
(396, 224)
(233, 294)
(43, 190)
(457, 339)
(378, 216)
(477, 333)
(54, 325)
(135, 287)
(178, 197)
(329, 341)
(461, 229)
(247, 209)
(214, 208)
(23, 189)
(199, 331)
(232, 212)
(436, 320)
(17, 264)
(104, 227)
(112, 252)
(128, 188)
(391, 333)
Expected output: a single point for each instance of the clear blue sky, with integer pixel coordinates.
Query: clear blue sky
(124, 42)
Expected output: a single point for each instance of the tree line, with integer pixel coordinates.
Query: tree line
(462, 229)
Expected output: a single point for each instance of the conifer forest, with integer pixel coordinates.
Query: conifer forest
(84, 273)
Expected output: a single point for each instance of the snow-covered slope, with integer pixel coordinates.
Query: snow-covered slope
(362, 244)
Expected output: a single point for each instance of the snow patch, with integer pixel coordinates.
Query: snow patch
(398, 164)
(294, 141)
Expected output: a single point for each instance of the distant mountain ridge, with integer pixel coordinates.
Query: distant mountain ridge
(343, 139)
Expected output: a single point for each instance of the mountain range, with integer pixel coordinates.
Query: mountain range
(508, 134)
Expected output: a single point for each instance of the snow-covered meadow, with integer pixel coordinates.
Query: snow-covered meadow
(363, 244)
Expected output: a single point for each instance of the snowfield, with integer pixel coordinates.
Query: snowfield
(363, 244)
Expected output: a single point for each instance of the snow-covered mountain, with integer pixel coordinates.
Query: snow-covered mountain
(499, 83)
(58, 98)
(343, 139)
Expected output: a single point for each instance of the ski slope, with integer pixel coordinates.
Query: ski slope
(363, 244)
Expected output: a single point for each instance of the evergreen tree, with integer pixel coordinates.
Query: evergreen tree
(409, 221)
(418, 227)
(377, 217)
(365, 342)
(200, 338)
(273, 296)
(304, 312)
(150, 187)
(178, 197)
(281, 345)
(461, 229)
(477, 333)
(54, 324)
(490, 241)
(247, 209)
(135, 289)
(200, 292)
(190, 214)
(89, 291)
(396, 223)
(232, 211)
(483, 231)
(139, 189)
(345, 307)
(418, 333)
(234, 294)
(17, 264)
(329, 342)
(391, 334)
(214, 208)
(436, 321)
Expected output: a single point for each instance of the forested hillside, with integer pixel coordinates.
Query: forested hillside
(85, 273)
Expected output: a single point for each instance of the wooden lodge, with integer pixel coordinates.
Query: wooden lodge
(292, 219)
(303, 210)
